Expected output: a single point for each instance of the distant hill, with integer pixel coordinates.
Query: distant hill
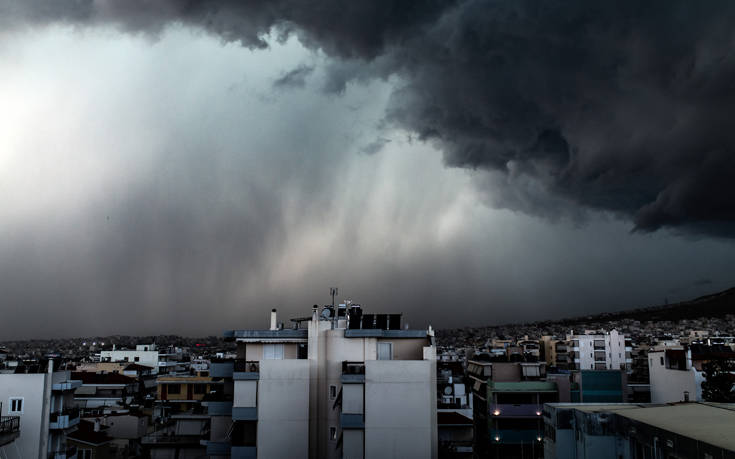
(714, 305)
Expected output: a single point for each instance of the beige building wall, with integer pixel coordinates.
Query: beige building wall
(283, 409)
(399, 419)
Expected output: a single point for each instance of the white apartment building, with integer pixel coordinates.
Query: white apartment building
(672, 376)
(45, 405)
(143, 354)
(592, 351)
(160, 361)
(349, 385)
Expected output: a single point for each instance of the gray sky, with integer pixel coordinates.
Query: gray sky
(159, 178)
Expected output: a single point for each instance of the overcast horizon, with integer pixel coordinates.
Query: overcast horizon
(180, 170)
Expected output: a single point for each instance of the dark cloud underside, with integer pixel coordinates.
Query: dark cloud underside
(619, 106)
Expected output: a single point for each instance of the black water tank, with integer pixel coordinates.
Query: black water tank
(368, 321)
(394, 321)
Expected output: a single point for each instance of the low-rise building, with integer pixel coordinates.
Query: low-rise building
(633, 431)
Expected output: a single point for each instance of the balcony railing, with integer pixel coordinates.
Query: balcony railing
(64, 419)
(526, 410)
(247, 366)
(526, 436)
(353, 368)
(353, 372)
(9, 424)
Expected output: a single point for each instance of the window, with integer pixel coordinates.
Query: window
(332, 392)
(662, 360)
(127, 359)
(16, 405)
(385, 351)
(332, 433)
(200, 388)
(84, 454)
(273, 352)
(137, 359)
(174, 388)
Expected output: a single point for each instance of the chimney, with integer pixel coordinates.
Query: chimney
(97, 425)
(274, 324)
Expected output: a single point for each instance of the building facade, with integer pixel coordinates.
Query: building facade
(638, 431)
(347, 385)
(43, 404)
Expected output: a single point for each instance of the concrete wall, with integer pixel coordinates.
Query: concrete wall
(352, 444)
(126, 426)
(506, 372)
(400, 409)
(352, 398)
(669, 385)
(254, 351)
(148, 358)
(406, 349)
(283, 409)
(30, 387)
(246, 394)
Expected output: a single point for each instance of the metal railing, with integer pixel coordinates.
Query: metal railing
(9, 424)
(247, 366)
(353, 368)
(73, 413)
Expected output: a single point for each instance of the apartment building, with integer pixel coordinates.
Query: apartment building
(638, 431)
(39, 406)
(508, 399)
(593, 351)
(339, 384)
(143, 354)
(100, 393)
(163, 361)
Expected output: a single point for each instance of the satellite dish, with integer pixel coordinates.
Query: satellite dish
(327, 313)
(448, 390)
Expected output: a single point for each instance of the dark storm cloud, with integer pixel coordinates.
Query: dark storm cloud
(625, 107)
(375, 146)
(295, 78)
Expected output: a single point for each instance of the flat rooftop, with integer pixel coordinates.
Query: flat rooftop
(712, 423)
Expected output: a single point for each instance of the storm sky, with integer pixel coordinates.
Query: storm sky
(183, 167)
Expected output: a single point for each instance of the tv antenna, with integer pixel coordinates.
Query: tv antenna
(333, 291)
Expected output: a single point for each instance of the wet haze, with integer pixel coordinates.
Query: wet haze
(166, 177)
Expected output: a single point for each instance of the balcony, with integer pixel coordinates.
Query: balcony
(9, 429)
(353, 372)
(246, 370)
(223, 369)
(65, 419)
(67, 385)
(219, 407)
(515, 437)
(351, 421)
(240, 413)
(68, 453)
(530, 410)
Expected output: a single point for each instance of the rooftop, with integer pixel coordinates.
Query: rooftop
(711, 423)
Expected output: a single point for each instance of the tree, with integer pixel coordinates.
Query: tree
(719, 381)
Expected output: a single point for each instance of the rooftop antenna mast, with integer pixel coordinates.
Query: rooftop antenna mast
(333, 291)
